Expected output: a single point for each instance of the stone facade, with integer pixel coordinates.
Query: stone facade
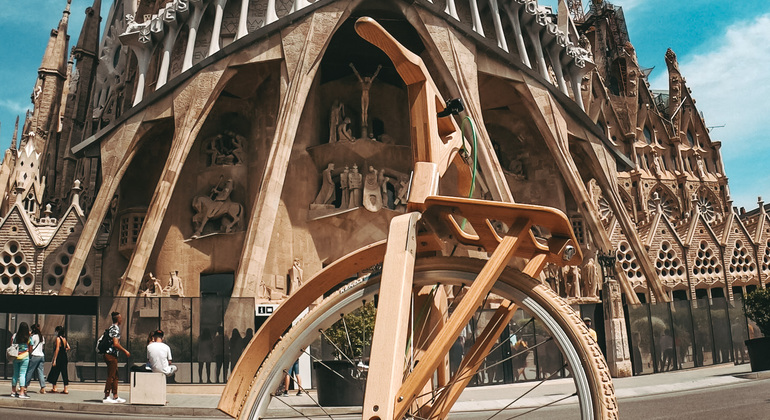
(211, 143)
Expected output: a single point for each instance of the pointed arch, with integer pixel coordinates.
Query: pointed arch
(668, 201)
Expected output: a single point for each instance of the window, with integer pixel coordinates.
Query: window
(647, 135)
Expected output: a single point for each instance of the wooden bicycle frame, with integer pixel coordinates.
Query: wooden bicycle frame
(435, 145)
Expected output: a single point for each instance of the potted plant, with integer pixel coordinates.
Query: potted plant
(757, 308)
(341, 380)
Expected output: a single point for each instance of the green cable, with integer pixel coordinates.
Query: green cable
(475, 158)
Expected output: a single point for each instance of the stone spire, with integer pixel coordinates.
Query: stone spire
(51, 76)
(15, 134)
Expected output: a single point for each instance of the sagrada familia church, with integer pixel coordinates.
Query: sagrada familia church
(261, 140)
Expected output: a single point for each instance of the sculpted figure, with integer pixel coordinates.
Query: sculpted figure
(590, 277)
(216, 206)
(237, 143)
(151, 286)
(296, 274)
(366, 85)
(656, 163)
(265, 292)
(571, 281)
(344, 187)
(344, 132)
(403, 190)
(355, 183)
(372, 191)
(335, 118)
(701, 166)
(174, 287)
(327, 195)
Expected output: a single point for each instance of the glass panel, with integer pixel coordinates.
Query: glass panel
(547, 355)
(176, 323)
(738, 329)
(660, 314)
(80, 330)
(683, 336)
(239, 327)
(640, 341)
(5, 340)
(212, 324)
(703, 340)
(720, 323)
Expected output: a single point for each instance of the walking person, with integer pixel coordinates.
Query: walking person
(292, 374)
(111, 359)
(36, 358)
(60, 361)
(21, 338)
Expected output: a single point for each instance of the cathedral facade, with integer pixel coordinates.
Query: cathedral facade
(261, 140)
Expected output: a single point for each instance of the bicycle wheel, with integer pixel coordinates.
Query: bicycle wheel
(582, 357)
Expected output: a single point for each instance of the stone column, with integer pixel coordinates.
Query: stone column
(618, 356)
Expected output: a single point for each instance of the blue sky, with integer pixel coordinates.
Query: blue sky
(723, 48)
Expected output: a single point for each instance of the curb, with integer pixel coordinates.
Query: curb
(100, 408)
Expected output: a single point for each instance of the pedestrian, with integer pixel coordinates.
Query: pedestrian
(591, 331)
(36, 357)
(293, 374)
(221, 348)
(111, 359)
(159, 355)
(60, 361)
(205, 355)
(21, 338)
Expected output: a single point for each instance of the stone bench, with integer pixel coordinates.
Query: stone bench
(148, 388)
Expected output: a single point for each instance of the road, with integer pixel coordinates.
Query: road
(750, 400)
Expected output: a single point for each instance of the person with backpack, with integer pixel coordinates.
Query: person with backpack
(20, 364)
(112, 337)
(60, 361)
(36, 358)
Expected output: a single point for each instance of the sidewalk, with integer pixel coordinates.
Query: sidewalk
(201, 400)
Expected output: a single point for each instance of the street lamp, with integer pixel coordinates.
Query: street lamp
(607, 262)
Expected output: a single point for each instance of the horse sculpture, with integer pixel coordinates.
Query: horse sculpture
(207, 209)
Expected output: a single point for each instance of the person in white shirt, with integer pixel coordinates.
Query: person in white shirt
(159, 355)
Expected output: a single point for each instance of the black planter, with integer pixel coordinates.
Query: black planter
(759, 353)
(334, 391)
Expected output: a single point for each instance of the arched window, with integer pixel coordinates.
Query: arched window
(690, 139)
(647, 135)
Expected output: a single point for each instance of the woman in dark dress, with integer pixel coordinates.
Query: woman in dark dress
(59, 361)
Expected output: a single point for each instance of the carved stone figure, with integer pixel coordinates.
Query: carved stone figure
(656, 163)
(265, 292)
(355, 183)
(344, 187)
(344, 132)
(403, 190)
(384, 185)
(327, 195)
(295, 275)
(552, 273)
(216, 206)
(571, 281)
(337, 115)
(590, 277)
(372, 191)
(151, 287)
(366, 85)
(174, 287)
(701, 166)
(226, 149)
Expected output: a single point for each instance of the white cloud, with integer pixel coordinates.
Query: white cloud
(728, 76)
(13, 106)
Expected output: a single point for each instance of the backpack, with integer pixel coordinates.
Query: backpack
(104, 343)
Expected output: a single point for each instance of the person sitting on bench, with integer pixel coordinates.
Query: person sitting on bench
(159, 355)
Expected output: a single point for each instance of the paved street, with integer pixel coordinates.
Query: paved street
(714, 392)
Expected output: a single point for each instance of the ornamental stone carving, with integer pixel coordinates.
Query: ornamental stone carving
(216, 206)
(225, 149)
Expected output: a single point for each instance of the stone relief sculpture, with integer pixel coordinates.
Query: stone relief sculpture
(552, 274)
(366, 85)
(225, 149)
(344, 181)
(295, 276)
(590, 277)
(700, 165)
(571, 281)
(344, 132)
(217, 205)
(174, 287)
(265, 292)
(327, 195)
(336, 118)
(355, 183)
(151, 287)
(656, 164)
(372, 191)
